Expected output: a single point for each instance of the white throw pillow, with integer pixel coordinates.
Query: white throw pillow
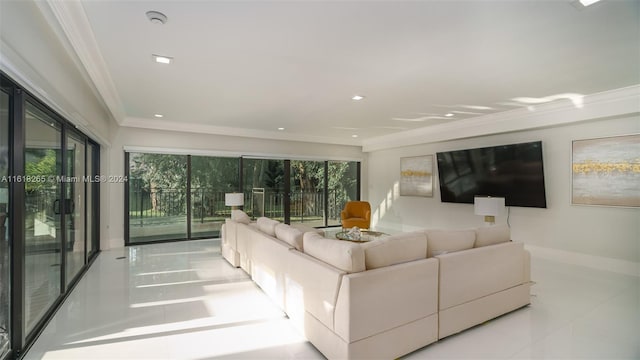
(290, 235)
(446, 241)
(267, 226)
(240, 216)
(490, 235)
(395, 249)
(344, 255)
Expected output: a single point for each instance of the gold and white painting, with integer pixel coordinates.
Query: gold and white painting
(606, 171)
(416, 176)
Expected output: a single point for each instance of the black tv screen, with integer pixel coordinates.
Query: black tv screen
(514, 172)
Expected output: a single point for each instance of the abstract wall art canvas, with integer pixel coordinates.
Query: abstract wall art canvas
(606, 171)
(416, 176)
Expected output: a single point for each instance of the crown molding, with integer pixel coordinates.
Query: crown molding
(617, 102)
(75, 25)
(19, 69)
(159, 124)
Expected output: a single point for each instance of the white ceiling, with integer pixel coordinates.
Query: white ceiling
(250, 67)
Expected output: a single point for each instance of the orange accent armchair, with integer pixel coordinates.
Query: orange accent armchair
(356, 213)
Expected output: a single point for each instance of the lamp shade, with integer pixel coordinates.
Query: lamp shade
(234, 199)
(488, 206)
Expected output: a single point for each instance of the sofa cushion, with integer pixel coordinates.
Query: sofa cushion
(344, 255)
(306, 228)
(290, 235)
(395, 249)
(490, 235)
(267, 226)
(445, 241)
(240, 216)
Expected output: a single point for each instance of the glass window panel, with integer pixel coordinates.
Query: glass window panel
(264, 188)
(342, 187)
(43, 248)
(75, 211)
(157, 197)
(5, 260)
(307, 192)
(211, 178)
(90, 211)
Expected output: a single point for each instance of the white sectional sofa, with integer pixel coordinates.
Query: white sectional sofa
(387, 297)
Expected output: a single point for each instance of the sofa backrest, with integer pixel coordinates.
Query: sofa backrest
(306, 228)
(479, 272)
(446, 241)
(491, 235)
(344, 255)
(395, 249)
(290, 235)
(267, 226)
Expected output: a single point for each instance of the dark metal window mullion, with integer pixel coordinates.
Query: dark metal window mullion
(63, 213)
(127, 221)
(326, 193)
(287, 192)
(188, 197)
(17, 215)
(359, 180)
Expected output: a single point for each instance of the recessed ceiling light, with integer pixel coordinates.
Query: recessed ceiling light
(588, 2)
(354, 136)
(162, 59)
(158, 115)
(280, 128)
(357, 97)
(448, 115)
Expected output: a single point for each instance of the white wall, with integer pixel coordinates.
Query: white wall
(33, 55)
(192, 143)
(580, 231)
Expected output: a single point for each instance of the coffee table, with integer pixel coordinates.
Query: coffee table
(365, 236)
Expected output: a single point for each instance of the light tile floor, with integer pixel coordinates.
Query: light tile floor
(183, 301)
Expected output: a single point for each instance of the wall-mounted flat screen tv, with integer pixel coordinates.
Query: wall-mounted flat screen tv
(514, 172)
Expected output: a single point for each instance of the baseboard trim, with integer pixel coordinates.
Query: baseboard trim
(596, 262)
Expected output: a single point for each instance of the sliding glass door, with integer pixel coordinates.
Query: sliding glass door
(307, 195)
(158, 207)
(264, 188)
(5, 250)
(93, 194)
(44, 163)
(42, 222)
(343, 185)
(75, 205)
(299, 191)
(157, 197)
(211, 178)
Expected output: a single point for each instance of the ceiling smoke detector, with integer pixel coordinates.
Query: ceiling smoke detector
(156, 17)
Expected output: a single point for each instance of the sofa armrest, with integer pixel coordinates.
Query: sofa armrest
(312, 287)
(229, 237)
(378, 300)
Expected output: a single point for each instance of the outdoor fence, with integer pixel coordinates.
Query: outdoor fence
(207, 203)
